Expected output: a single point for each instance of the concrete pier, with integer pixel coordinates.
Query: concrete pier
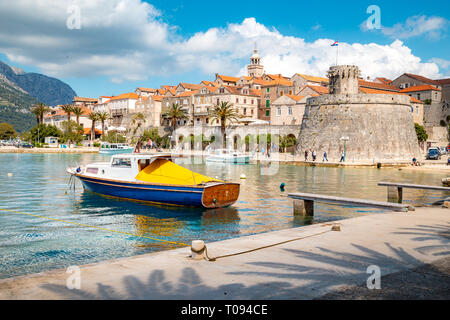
(320, 263)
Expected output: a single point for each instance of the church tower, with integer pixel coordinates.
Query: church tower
(255, 69)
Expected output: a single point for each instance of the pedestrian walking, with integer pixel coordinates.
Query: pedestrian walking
(313, 155)
(325, 157)
(306, 155)
(342, 157)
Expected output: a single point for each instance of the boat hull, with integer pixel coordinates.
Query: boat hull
(205, 196)
(240, 159)
(117, 151)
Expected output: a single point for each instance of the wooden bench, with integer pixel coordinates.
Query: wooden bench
(304, 203)
(395, 190)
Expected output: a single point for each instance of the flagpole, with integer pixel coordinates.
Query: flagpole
(337, 54)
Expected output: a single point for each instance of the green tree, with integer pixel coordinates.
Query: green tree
(225, 112)
(152, 135)
(93, 116)
(175, 112)
(113, 137)
(422, 135)
(137, 121)
(39, 111)
(78, 112)
(68, 109)
(72, 132)
(102, 117)
(7, 131)
(41, 131)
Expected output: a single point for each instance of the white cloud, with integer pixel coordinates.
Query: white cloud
(420, 25)
(126, 40)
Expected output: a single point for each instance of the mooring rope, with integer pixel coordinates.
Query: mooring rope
(204, 249)
(94, 227)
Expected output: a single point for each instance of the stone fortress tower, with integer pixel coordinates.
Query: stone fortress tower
(255, 69)
(371, 127)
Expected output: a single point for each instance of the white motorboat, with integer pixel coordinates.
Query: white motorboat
(115, 148)
(227, 156)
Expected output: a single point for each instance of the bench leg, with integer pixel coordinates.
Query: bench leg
(395, 194)
(304, 208)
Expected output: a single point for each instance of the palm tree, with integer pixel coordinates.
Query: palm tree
(67, 109)
(138, 120)
(223, 113)
(78, 112)
(37, 113)
(39, 110)
(103, 116)
(175, 113)
(93, 116)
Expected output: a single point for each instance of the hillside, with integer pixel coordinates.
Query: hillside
(50, 91)
(20, 90)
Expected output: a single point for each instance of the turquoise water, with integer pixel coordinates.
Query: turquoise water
(38, 183)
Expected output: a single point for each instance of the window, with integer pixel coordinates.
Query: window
(252, 101)
(268, 89)
(245, 111)
(237, 100)
(281, 93)
(290, 111)
(267, 103)
(267, 113)
(418, 96)
(252, 111)
(245, 101)
(278, 111)
(290, 92)
(121, 163)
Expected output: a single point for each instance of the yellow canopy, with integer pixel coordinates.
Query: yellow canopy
(166, 172)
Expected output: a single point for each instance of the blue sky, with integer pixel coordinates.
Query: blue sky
(123, 44)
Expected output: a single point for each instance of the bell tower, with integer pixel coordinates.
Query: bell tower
(255, 69)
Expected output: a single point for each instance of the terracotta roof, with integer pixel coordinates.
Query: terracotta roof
(209, 83)
(420, 78)
(279, 82)
(255, 92)
(375, 85)
(88, 131)
(425, 87)
(190, 86)
(294, 97)
(157, 98)
(187, 93)
(146, 89)
(443, 81)
(260, 81)
(59, 112)
(276, 76)
(130, 95)
(375, 91)
(384, 80)
(228, 79)
(313, 79)
(319, 89)
(82, 99)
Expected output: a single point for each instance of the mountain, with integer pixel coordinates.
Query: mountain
(20, 90)
(50, 91)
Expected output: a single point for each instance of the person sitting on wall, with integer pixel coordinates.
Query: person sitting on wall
(414, 161)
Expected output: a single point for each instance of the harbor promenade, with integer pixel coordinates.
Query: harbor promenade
(48, 150)
(322, 264)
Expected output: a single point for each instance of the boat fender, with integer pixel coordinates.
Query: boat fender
(282, 185)
(78, 170)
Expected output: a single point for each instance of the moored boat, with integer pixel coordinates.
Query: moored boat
(115, 148)
(156, 179)
(228, 156)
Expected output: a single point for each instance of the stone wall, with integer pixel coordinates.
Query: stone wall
(379, 127)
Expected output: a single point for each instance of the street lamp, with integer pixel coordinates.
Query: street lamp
(345, 139)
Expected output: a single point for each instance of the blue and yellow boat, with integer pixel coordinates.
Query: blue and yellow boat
(155, 179)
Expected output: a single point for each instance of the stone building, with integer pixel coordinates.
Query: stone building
(255, 69)
(372, 127)
(288, 110)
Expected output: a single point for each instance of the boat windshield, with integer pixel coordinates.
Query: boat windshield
(121, 163)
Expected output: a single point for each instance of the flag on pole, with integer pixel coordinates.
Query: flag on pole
(335, 44)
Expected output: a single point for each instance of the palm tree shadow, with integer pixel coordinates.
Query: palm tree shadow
(308, 275)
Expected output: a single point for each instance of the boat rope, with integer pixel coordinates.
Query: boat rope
(212, 259)
(94, 227)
